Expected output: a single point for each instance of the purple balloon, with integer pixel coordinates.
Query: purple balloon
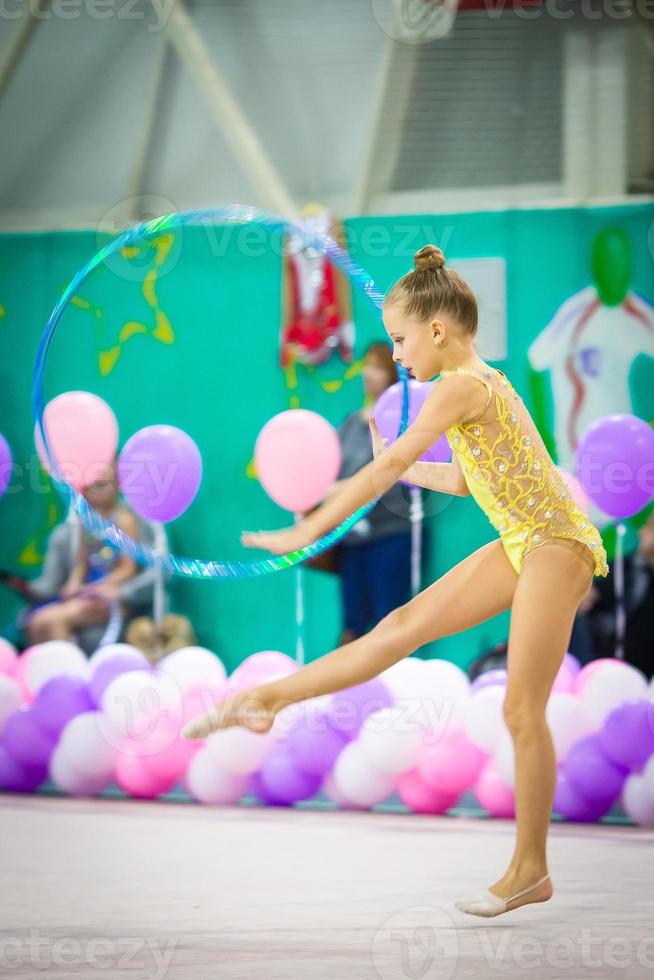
(6, 464)
(109, 669)
(16, 778)
(627, 737)
(573, 806)
(350, 708)
(573, 665)
(489, 678)
(314, 744)
(257, 788)
(26, 741)
(388, 413)
(284, 781)
(615, 464)
(591, 774)
(59, 700)
(160, 470)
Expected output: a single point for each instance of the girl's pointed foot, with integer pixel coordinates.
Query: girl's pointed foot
(239, 709)
(488, 904)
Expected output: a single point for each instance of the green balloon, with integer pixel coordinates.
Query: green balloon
(611, 265)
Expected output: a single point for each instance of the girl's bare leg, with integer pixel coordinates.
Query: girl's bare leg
(479, 587)
(553, 580)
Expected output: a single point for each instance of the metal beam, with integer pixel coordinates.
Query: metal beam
(227, 113)
(26, 22)
(393, 89)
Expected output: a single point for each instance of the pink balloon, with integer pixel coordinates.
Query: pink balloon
(297, 457)
(135, 777)
(259, 668)
(576, 489)
(82, 434)
(493, 793)
(20, 674)
(8, 658)
(200, 698)
(420, 797)
(564, 680)
(450, 765)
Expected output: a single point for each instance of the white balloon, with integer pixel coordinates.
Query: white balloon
(330, 788)
(113, 650)
(192, 665)
(609, 687)
(391, 740)
(84, 743)
(448, 688)
(208, 783)
(11, 698)
(568, 721)
(53, 658)
(404, 678)
(505, 759)
(648, 775)
(138, 701)
(238, 750)
(64, 774)
(358, 781)
(637, 800)
(483, 720)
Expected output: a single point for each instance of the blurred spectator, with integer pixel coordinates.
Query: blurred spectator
(83, 581)
(374, 559)
(599, 606)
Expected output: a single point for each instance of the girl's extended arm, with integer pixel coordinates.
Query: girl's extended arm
(444, 477)
(450, 401)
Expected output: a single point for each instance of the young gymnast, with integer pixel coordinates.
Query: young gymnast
(541, 567)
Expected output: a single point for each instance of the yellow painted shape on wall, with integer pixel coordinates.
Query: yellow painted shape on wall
(129, 329)
(3, 312)
(107, 360)
(331, 386)
(162, 245)
(251, 470)
(163, 330)
(148, 288)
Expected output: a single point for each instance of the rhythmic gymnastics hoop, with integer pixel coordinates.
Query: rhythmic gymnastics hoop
(116, 538)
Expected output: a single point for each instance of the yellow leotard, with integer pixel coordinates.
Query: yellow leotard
(511, 475)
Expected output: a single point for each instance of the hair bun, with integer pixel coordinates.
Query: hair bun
(429, 257)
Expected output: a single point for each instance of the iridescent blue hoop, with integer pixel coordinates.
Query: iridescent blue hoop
(116, 538)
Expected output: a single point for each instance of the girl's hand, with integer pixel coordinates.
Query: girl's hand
(277, 542)
(379, 445)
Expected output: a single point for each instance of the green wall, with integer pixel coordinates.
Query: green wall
(199, 322)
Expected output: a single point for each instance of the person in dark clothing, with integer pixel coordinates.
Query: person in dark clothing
(639, 602)
(374, 559)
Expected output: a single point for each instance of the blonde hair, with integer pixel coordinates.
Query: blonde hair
(430, 288)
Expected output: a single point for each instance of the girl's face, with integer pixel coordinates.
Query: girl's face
(414, 342)
(376, 377)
